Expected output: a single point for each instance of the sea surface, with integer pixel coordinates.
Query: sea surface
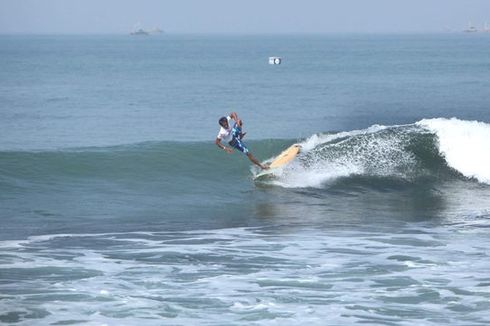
(117, 208)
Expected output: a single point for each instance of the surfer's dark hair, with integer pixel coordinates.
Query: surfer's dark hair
(222, 120)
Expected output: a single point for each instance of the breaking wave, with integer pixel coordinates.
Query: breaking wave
(435, 149)
(432, 149)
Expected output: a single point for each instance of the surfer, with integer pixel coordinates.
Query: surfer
(233, 136)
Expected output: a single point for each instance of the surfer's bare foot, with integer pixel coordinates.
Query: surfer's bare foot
(265, 167)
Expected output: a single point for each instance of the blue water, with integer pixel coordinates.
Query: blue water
(117, 208)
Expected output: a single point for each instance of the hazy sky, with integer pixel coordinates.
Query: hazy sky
(241, 16)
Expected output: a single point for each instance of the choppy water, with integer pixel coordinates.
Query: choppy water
(117, 208)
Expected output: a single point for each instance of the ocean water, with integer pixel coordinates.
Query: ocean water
(116, 207)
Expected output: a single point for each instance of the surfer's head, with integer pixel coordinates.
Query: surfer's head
(223, 122)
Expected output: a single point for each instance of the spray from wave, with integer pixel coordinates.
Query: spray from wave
(429, 149)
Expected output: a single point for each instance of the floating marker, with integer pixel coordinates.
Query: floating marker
(275, 60)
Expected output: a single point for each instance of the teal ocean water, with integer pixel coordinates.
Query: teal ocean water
(116, 207)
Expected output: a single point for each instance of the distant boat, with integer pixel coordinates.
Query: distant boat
(470, 29)
(139, 32)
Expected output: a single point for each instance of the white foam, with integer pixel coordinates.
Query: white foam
(327, 157)
(464, 144)
(316, 176)
(318, 139)
(297, 176)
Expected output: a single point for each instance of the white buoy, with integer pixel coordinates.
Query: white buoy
(275, 60)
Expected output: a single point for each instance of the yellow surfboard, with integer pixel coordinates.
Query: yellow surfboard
(285, 157)
(280, 160)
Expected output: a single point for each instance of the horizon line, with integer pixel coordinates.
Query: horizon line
(230, 33)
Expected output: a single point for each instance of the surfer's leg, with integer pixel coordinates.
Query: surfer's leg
(254, 161)
(237, 144)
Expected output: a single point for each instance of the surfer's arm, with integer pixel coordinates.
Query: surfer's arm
(234, 116)
(223, 147)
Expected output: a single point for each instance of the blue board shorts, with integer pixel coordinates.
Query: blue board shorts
(236, 142)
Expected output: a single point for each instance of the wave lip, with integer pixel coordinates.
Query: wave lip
(465, 145)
